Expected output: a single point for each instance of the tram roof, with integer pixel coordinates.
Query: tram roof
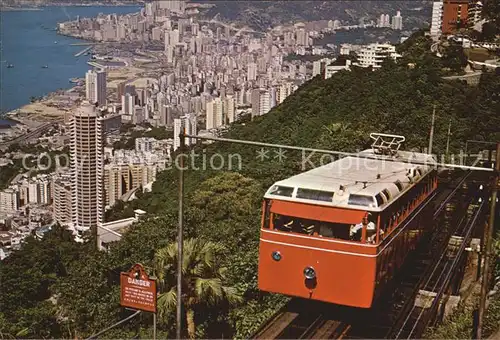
(355, 183)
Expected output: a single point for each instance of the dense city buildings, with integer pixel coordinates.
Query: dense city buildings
(190, 74)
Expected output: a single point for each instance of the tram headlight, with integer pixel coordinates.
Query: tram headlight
(276, 255)
(309, 273)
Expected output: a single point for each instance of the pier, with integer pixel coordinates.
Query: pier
(84, 51)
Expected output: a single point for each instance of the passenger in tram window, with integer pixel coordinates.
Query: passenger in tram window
(283, 223)
(356, 230)
(307, 227)
(325, 230)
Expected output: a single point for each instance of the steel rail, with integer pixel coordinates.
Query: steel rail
(452, 267)
(434, 268)
(450, 196)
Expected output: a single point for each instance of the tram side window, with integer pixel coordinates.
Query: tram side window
(310, 227)
(334, 230)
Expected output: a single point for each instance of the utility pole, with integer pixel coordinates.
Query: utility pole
(180, 241)
(431, 136)
(488, 235)
(448, 139)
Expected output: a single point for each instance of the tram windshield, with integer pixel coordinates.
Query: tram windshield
(311, 227)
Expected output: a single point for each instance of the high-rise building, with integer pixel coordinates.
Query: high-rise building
(230, 108)
(255, 101)
(284, 91)
(174, 37)
(128, 104)
(62, 199)
(166, 40)
(265, 102)
(302, 37)
(9, 201)
(166, 118)
(86, 168)
(397, 21)
(384, 21)
(185, 123)
(437, 19)
(95, 87)
(251, 71)
(40, 190)
(156, 33)
(215, 114)
(121, 177)
(455, 14)
(475, 12)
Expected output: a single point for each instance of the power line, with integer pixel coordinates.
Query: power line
(331, 152)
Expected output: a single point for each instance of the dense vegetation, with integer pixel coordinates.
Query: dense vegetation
(58, 288)
(32, 162)
(128, 141)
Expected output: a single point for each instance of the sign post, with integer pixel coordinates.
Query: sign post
(138, 291)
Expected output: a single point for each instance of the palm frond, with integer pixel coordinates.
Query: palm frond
(209, 290)
(232, 296)
(167, 303)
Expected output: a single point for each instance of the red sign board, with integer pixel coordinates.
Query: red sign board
(138, 291)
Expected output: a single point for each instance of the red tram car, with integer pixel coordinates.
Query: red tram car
(339, 232)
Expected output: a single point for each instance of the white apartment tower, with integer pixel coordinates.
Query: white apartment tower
(251, 71)
(215, 114)
(9, 201)
(185, 123)
(86, 168)
(95, 87)
(397, 21)
(437, 19)
(230, 107)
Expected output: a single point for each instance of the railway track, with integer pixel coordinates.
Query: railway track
(304, 319)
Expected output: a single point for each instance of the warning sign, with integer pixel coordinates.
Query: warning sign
(138, 291)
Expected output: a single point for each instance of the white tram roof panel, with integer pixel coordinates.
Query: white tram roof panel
(355, 183)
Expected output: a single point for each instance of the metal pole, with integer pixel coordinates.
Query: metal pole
(182, 137)
(154, 326)
(488, 235)
(95, 336)
(431, 136)
(448, 139)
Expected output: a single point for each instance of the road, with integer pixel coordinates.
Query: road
(32, 134)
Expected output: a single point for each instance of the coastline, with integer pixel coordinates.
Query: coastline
(20, 9)
(53, 105)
